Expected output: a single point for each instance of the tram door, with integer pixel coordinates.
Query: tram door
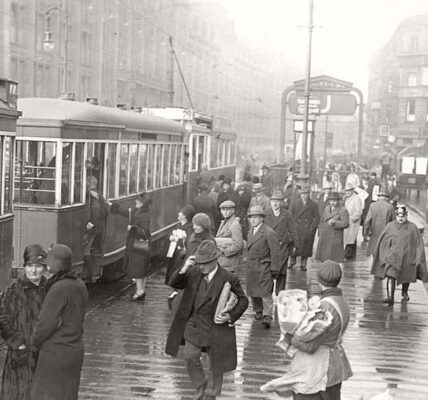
(95, 163)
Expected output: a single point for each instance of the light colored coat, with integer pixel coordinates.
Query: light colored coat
(354, 206)
(262, 201)
(229, 240)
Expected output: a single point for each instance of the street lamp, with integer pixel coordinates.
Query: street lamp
(49, 44)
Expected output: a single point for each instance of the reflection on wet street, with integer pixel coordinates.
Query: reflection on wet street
(387, 346)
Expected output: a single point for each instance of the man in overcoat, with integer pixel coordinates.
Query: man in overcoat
(379, 215)
(229, 237)
(354, 206)
(399, 256)
(267, 180)
(306, 218)
(334, 220)
(204, 203)
(323, 201)
(59, 331)
(260, 198)
(242, 199)
(203, 281)
(263, 264)
(279, 219)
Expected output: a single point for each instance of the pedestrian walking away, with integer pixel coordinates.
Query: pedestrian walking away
(59, 331)
(204, 203)
(399, 256)
(354, 206)
(306, 218)
(205, 285)
(333, 222)
(280, 220)
(263, 265)
(20, 306)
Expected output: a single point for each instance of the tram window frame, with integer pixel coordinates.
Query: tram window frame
(111, 170)
(185, 163)
(150, 167)
(142, 167)
(7, 151)
(123, 169)
(194, 153)
(166, 157)
(133, 169)
(158, 161)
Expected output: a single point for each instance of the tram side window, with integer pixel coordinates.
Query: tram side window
(158, 161)
(123, 171)
(142, 154)
(66, 183)
(133, 168)
(95, 162)
(202, 156)
(166, 163)
(194, 155)
(150, 165)
(214, 152)
(8, 168)
(78, 172)
(184, 152)
(111, 170)
(178, 173)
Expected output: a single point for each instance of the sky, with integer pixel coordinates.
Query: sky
(347, 33)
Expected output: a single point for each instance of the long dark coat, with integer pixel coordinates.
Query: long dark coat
(306, 219)
(204, 203)
(330, 242)
(136, 262)
(21, 303)
(94, 238)
(379, 215)
(223, 337)
(402, 247)
(58, 335)
(263, 257)
(286, 232)
(322, 204)
(242, 203)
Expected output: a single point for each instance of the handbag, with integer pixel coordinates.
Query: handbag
(140, 245)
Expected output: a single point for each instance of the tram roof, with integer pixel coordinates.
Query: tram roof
(70, 112)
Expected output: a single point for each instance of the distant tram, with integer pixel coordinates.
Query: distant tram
(8, 117)
(60, 143)
(412, 168)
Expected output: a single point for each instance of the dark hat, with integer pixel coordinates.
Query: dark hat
(203, 187)
(228, 204)
(400, 210)
(258, 187)
(277, 195)
(329, 273)
(334, 196)
(384, 193)
(227, 180)
(207, 252)
(35, 254)
(256, 210)
(188, 211)
(203, 220)
(264, 166)
(59, 257)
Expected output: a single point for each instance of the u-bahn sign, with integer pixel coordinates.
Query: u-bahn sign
(328, 103)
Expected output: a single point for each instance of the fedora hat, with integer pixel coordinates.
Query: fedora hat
(349, 186)
(384, 193)
(277, 195)
(207, 252)
(256, 210)
(334, 196)
(258, 187)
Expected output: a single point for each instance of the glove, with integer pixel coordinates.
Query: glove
(275, 274)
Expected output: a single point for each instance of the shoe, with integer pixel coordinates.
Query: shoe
(266, 321)
(171, 299)
(405, 298)
(258, 315)
(138, 296)
(388, 301)
(303, 268)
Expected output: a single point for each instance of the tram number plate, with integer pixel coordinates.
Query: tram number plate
(411, 181)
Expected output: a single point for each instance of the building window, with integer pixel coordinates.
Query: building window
(413, 44)
(425, 76)
(411, 79)
(410, 110)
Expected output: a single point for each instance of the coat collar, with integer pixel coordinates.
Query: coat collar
(254, 238)
(215, 286)
(225, 224)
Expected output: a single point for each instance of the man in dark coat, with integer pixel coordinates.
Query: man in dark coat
(279, 219)
(204, 203)
(242, 199)
(306, 218)
(197, 323)
(59, 331)
(323, 200)
(399, 256)
(267, 180)
(263, 264)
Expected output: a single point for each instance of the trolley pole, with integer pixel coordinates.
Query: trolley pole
(304, 178)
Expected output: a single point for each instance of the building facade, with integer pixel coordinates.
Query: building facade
(398, 88)
(121, 52)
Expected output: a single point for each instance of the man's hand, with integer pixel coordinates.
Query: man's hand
(89, 226)
(222, 319)
(189, 262)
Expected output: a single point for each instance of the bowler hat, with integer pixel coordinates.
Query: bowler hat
(59, 257)
(207, 252)
(400, 210)
(34, 254)
(228, 204)
(256, 210)
(329, 273)
(334, 196)
(277, 195)
(258, 187)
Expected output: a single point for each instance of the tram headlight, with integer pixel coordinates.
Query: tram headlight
(188, 126)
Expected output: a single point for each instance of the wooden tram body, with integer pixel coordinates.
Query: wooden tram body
(412, 168)
(60, 143)
(8, 116)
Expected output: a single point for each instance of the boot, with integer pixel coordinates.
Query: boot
(404, 293)
(390, 291)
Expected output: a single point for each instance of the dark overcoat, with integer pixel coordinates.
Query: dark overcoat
(242, 203)
(136, 262)
(94, 238)
(306, 219)
(263, 257)
(286, 232)
(401, 247)
(379, 215)
(21, 303)
(330, 242)
(322, 203)
(204, 203)
(223, 337)
(58, 335)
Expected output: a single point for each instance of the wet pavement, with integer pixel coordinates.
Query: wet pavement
(387, 346)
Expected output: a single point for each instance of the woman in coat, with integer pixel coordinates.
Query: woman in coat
(136, 261)
(59, 331)
(354, 206)
(334, 220)
(21, 303)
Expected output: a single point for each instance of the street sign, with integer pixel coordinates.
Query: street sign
(314, 106)
(329, 103)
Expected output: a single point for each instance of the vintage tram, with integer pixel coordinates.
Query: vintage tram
(60, 143)
(8, 117)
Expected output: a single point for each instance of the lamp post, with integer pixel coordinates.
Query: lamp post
(49, 44)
